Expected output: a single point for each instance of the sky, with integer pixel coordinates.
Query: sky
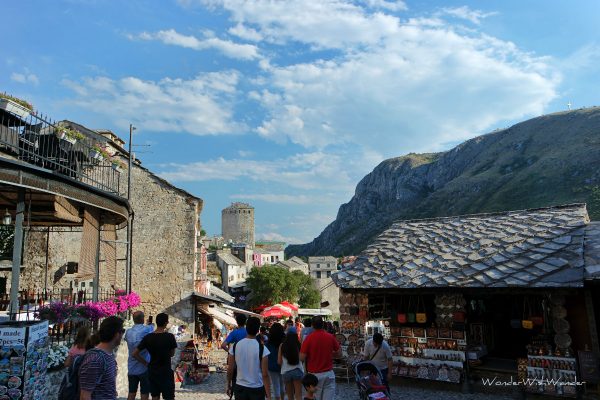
(286, 104)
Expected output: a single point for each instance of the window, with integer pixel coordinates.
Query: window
(329, 274)
(318, 265)
(318, 274)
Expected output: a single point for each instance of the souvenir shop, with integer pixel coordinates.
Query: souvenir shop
(539, 337)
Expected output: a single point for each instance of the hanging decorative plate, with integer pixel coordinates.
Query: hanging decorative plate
(557, 299)
(561, 325)
(454, 375)
(559, 312)
(562, 340)
(352, 339)
(340, 338)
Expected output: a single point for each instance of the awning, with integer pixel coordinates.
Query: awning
(314, 311)
(241, 311)
(218, 313)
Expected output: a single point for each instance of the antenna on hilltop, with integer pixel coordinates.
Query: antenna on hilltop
(569, 105)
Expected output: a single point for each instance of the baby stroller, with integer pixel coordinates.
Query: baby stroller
(370, 382)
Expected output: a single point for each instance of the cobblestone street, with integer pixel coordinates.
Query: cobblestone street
(213, 388)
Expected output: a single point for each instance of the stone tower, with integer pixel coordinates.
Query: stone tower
(237, 223)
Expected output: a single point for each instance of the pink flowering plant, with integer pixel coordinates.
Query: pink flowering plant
(60, 312)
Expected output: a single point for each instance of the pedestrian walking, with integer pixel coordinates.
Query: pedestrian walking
(237, 334)
(80, 345)
(137, 373)
(275, 339)
(310, 383)
(98, 370)
(307, 329)
(161, 346)
(299, 326)
(318, 351)
(378, 351)
(292, 369)
(250, 358)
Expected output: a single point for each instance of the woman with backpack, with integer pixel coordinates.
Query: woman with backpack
(80, 345)
(292, 369)
(275, 338)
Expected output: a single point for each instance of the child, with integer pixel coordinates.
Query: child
(310, 383)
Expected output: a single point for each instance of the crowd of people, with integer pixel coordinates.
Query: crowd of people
(281, 360)
(292, 361)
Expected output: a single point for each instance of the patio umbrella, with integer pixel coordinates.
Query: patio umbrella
(276, 311)
(289, 305)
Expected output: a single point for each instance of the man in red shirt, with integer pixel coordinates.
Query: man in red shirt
(317, 352)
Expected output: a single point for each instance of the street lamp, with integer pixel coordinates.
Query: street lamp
(7, 219)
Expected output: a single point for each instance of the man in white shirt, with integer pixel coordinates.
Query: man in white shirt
(249, 358)
(379, 353)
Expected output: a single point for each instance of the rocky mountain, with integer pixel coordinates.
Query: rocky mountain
(549, 160)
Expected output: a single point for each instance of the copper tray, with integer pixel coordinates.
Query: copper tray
(408, 332)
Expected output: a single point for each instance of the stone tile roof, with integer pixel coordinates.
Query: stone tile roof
(294, 262)
(531, 248)
(230, 259)
(591, 251)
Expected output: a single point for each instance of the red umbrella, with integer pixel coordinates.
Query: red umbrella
(289, 305)
(275, 311)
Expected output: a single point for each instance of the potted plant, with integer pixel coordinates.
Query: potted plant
(70, 135)
(15, 105)
(118, 165)
(98, 152)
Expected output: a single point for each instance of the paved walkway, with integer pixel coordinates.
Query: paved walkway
(213, 388)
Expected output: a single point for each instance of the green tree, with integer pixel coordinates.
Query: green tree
(271, 285)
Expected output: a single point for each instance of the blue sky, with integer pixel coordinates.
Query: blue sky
(288, 104)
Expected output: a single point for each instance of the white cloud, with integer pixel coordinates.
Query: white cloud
(245, 153)
(277, 198)
(466, 13)
(244, 32)
(306, 171)
(200, 106)
(227, 47)
(24, 78)
(387, 5)
(277, 237)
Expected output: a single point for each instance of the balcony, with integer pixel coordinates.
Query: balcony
(37, 141)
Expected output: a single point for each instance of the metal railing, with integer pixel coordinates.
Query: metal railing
(34, 139)
(63, 333)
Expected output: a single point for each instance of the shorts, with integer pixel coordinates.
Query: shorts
(162, 382)
(142, 380)
(246, 393)
(294, 375)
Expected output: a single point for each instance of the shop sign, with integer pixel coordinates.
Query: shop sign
(12, 336)
(38, 331)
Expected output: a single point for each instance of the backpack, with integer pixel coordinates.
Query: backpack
(69, 387)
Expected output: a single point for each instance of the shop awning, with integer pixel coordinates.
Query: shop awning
(241, 311)
(314, 311)
(219, 314)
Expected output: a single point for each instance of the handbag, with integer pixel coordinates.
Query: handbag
(421, 317)
(410, 316)
(401, 316)
(526, 323)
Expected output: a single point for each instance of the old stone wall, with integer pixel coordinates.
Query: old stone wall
(164, 250)
(331, 294)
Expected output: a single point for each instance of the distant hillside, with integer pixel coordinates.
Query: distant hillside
(549, 160)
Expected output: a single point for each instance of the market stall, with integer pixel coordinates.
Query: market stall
(460, 297)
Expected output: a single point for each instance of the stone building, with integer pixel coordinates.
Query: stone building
(165, 253)
(233, 271)
(294, 264)
(237, 223)
(322, 266)
(271, 252)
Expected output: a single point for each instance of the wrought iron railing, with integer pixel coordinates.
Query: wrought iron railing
(34, 139)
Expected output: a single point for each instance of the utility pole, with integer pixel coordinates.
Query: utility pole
(130, 219)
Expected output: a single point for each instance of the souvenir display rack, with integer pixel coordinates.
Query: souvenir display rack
(552, 375)
(192, 368)
(429, 353)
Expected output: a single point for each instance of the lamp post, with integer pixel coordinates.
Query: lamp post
(17, 249)
(130, 219)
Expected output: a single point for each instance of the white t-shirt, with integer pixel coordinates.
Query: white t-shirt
(249, 373)
(381, 358)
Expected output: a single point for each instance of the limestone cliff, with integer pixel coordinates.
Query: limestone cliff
(549, 160)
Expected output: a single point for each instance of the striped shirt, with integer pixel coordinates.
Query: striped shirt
(98, 374)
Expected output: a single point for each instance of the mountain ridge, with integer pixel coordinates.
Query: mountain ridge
(548, 160)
